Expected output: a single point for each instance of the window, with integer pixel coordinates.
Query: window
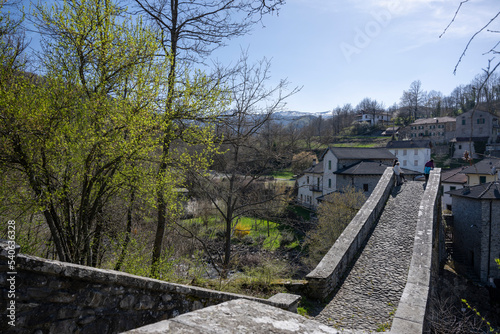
(415, 163)
(480, 121)
(459, 147)
(453, 188)
(415, 152)
(463, 121)
(365, 187)
(308, 180)
(482, 179)
(404, 152)
(396, 152)
(329, 165)
(329, 183)
(404, 163)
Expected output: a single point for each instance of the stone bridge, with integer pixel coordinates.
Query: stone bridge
(378, 275)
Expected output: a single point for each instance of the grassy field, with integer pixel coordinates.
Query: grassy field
(282, 174)
(248, 230)
(350, 141)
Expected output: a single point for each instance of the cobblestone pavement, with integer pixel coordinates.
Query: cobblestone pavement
(368, 298)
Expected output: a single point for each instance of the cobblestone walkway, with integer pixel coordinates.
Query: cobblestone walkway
(370, 293)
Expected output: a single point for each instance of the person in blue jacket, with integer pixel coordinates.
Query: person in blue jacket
(429, 165)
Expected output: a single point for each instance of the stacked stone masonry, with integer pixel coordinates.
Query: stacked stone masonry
(58, 297)
(369, 295)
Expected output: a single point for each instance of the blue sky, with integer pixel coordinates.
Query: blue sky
(344, 51)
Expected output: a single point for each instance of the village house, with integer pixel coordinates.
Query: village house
(451, 180)
(437, 129)
(476, 228)
(482, 172)
(310, 185)
(473, 129)
(373, 118)
(391, 131)
(411, 154)
(340, 167)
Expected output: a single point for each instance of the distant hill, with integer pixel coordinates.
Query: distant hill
(298, 118)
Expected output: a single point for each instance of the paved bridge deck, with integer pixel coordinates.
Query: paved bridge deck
(372, 289)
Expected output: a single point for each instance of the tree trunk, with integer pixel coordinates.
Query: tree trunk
(119, 263)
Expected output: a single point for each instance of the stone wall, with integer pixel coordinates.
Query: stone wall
(58, 297)
(328, 273)
(467, 231)
(358, 182)
(428, 253)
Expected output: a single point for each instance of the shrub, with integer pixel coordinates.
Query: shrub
(241, 231)
(334, 214)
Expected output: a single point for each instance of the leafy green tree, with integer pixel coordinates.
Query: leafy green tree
(77, 133)
(12, 42)
(334, 214)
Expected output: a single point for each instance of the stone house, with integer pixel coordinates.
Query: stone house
(473, 127)
(476, 228)
(365, 175)
(339, 167)
(437, 129)
(412, 154)
(482, 172)
(451, 180)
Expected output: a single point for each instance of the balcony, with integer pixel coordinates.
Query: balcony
(316, 188)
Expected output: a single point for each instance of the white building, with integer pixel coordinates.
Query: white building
(337, 169)
(310, 185)
(411, 154)
(373, 118)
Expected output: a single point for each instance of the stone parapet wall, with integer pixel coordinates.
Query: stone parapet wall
(411, 314)
(323, 280)
(59, 297)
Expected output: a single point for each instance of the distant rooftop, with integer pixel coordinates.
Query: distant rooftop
(490, 190)
(316, 169)
(434, 120)
(408, 144)
(370, 168)
(455, 175)
(483, 167)
(362, 153)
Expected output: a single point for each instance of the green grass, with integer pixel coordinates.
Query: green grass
(260, 229)
(283, 174)
(250, 230)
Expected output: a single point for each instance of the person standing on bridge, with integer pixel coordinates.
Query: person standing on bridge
(429, 165)
(397, 173)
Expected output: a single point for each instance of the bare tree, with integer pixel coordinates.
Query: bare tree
(233, 187)
(342, 117)
(494, 49)
(433, 103)
(372, 107)
(189, 31)
(412, 101)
